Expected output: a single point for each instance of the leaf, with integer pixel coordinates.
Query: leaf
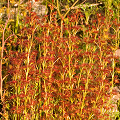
(117, 81)
(67, 7)
(113, 48)
(11, 20)
(1, 10)
(12, 1)
(0, 49)
(68, 1)
(4, 60)
(118, 70)
(1, 30)
(8, 10)
(66, 20)
(4, 7)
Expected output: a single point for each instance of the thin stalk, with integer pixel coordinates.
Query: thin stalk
(27, 71)
(17, 21)
(113, 74)
(61, 33)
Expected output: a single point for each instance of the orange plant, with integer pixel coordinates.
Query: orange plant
(59, 70)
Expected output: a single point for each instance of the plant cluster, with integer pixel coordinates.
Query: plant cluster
(60, 69)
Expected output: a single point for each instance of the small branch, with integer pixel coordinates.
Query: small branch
(70, 9)
(56, 61)
(83, 2)
(9, 37)
(4, 77)
(3, 43)
(82, 6)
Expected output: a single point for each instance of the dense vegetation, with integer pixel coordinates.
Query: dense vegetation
(59, 64)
